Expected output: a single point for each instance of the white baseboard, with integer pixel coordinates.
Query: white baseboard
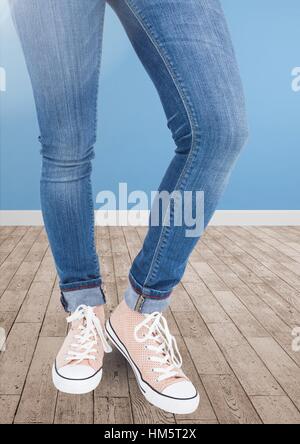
(259, 217)
(23, 218)
(140, 218)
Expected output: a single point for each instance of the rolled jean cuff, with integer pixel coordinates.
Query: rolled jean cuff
(140, 300)
(90, 296)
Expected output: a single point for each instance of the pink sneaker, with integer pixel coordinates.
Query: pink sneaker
(78, 366)
(152, 352)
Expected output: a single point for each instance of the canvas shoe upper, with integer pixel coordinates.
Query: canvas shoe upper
(78, 366)
(151, 350)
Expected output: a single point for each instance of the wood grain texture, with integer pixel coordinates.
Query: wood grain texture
(38, 399)
(113, 411)
(232, 316)
(74, 409)
(8, 407)
(15, 361)
(276, 410)
(229, 400)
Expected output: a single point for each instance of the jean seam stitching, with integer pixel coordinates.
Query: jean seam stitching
(139, 289)
(92, 228)
(99, 61)
(92, 231)
(166, 230)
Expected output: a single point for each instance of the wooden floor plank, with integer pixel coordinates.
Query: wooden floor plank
(281, 251)
(21, 266)
(276, 410)
(275, 233)
(285, 309)
(232, 316)
(246, 322)
(7, 320)
(290, 282)
(107, 269)
(46, 271)
(113, 411)
(37, 405)
(278, 329)
(190, 324)
(24, 276)
(17, 256)
(8, 407)
(252, 373)
(121, 257)
(115, 382)
(207, 356)
(196, 421)
(270, 309)
(281, 365)
(72, 409)
(205, 412)
(266, 276)
(12, 300)
(209, 277)
(8, 244)
(229, 400)
(225, 264)
(6, 231)
(181, 300)
(15, 361)
(36, 302)
(54, 324)
(133, 241)
(206, 303)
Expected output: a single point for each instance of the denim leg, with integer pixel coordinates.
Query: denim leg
(186, 48)
(62, 43)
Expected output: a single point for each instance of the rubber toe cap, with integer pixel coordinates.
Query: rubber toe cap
(76, 372)
(181, 390)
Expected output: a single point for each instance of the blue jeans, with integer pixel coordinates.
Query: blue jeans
(186, 49)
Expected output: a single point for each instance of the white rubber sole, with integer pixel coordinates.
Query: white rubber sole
(163, 402)
(76, 387)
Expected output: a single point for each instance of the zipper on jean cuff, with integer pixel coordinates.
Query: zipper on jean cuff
(139, 304)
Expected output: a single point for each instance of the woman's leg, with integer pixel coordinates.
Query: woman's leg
(62, 42)
(186, 48)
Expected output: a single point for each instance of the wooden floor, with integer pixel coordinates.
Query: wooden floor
(233, 315)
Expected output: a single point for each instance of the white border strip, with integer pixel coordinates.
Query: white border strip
(140, 218)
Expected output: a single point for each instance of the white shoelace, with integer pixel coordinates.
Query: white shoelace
(86, 341)
(166, 352)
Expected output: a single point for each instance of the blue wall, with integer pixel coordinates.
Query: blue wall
(132, 137)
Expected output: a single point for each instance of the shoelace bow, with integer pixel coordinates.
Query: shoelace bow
(166, 353)
(90, 330)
